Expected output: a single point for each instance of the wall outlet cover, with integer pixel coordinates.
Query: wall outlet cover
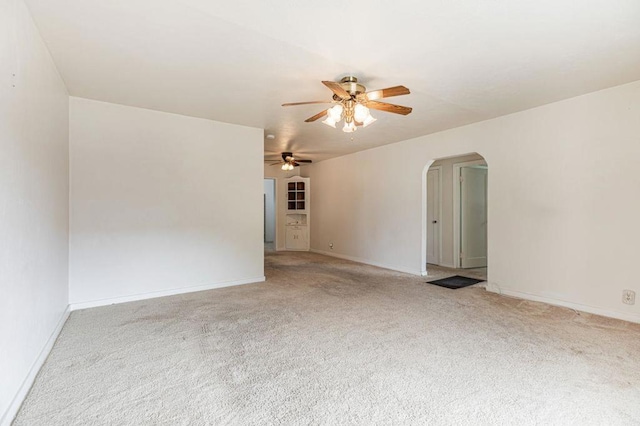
(628, 297)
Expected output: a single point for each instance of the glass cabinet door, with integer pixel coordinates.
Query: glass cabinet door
(296, 196)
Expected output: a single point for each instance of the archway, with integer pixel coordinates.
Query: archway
(455, 214)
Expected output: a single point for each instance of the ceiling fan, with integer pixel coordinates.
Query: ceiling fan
(289, 161)
(352, 102)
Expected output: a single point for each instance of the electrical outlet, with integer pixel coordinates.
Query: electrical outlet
(331, 246)
(628, 297)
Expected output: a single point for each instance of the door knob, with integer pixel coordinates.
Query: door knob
(434, 221)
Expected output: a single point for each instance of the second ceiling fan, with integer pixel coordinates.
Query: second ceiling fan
(289, 161)
(352, 103)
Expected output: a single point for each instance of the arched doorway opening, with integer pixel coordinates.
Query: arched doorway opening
(455, 215)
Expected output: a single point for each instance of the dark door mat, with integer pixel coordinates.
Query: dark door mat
(455, 282)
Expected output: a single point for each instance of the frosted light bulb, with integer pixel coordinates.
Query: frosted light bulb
(360, 113)
(330, 122)
(368, 120)
(335, 112)
(285, 167)
(349, 127)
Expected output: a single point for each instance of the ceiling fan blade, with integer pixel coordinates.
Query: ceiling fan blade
(306, 103)
(275, 164)
(396, 109)
(317, 116)
(304, 161)
(387, 93)
(337, 89)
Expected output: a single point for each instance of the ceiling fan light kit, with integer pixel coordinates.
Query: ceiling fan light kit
(354, 114)
(289, 162)
(352, 104)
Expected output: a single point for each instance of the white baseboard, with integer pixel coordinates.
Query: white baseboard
(557, 302)
(152, 295)
(367, 262)
(14, 407)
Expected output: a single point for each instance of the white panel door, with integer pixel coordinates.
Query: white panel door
(473, 217)
(433, 216)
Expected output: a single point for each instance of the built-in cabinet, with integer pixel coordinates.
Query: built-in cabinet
(298, 214)
(297, 194)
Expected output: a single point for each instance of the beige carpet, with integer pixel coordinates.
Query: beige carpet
(331, 342)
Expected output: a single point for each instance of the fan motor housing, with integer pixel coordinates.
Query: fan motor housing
(351, 85)
(285, 155)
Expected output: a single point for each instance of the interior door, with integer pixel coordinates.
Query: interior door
(473, 217)
(433, 216)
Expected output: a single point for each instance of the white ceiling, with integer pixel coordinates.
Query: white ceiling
(238, 61)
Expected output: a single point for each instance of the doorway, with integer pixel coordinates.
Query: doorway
(455, 206)
(269, 213)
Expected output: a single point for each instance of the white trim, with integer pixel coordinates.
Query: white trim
(19, 397)
(367, 262)
(162, 293)
(456, 206)
(625, 316)
(275, 210)
(423, 219)
(439, 170)
(440, 176)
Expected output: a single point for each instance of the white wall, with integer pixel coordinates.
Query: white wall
(280, 175)
(447, 182)
(563, 204)
(34, 196)
(269, 210)
(160, 203)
